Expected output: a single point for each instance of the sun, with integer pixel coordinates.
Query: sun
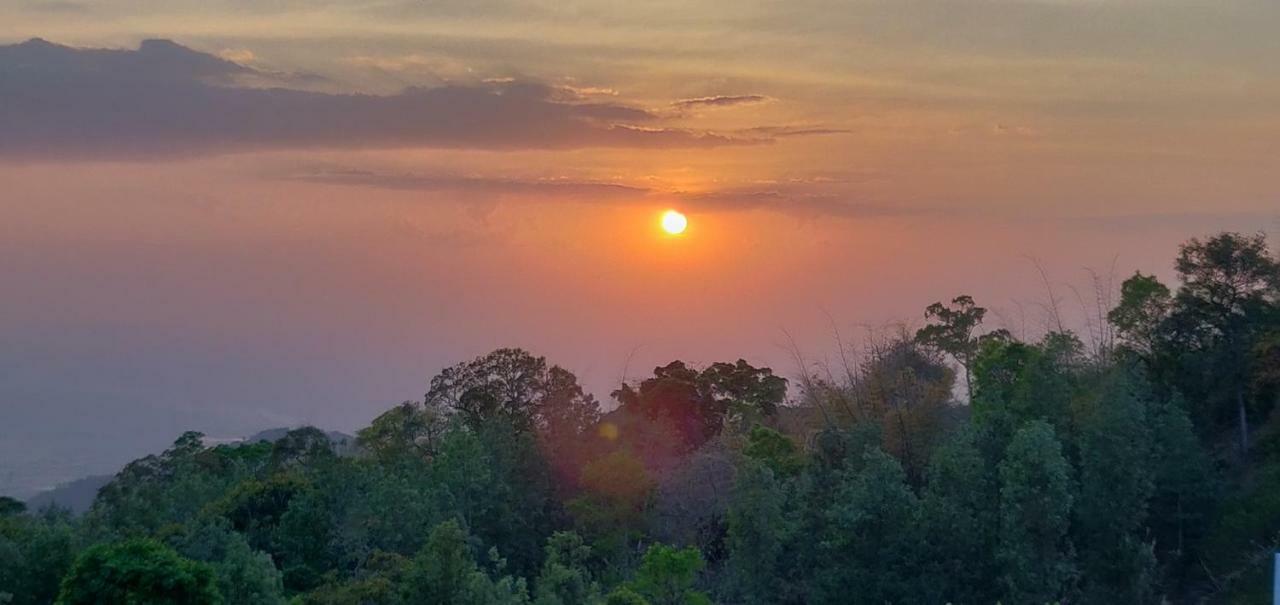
(673, 222)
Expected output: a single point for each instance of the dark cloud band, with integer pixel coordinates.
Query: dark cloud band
(164, 99)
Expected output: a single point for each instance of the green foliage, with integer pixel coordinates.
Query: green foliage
(1115, 487)
(751, 394)
(244, 576)
(1144, 305)
(1016, 382)
(515, 387)
(625, 596)
(759, 534)
(445, 572)
(617, 494)
(35, 552)
(566, 578)
(960, 522)
(406, 433)
(1184, 487)
(1034, 552)
(872, 544)
(138, 571)
(774, 450)
(667, 574)
(1230, 289)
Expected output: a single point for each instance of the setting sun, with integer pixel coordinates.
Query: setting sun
(673, 222)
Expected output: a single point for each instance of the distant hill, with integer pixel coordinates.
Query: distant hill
(75, 495)
(343, 443)
(78, 495)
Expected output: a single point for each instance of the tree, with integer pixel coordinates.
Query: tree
(759, 534)
(254, 507)
(307, 447)
(1144, 306)
(1035, 513)
(10, 507)
(138, 571)
(617, 495)
(445, 573)
(774, 450)
(35, 553)
(492, 479)
(667, 574)
(172, 488)
(696, 405)
(511, 387)
(952, 332)
(959, 515)
(625, 596)
(1117, 560)
(692, 499)
(907, 389)
(244, 576)
(407, 432)
(678, 400)
(302, 543)
(752, 394)
(516, 386)
(872, 543)
(566, 578)
(1016, 382)
(1229, 282)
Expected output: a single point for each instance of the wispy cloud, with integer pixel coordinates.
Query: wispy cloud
(552, 187)
(772, 132)
(719, 101)
(800, 201)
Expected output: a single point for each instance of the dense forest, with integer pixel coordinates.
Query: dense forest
(1137, 461)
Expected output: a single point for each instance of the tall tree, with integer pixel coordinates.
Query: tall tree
(696, 405)
(959, 515)
(1229, 282)
(514, 385)
(872, 544)
(1035, 514)
(1117, 560)
(952, 331)
(759, 536)
(1144, 305)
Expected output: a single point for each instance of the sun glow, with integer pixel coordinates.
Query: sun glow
(674, 222)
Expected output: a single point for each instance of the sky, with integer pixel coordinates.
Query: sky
(232, 215)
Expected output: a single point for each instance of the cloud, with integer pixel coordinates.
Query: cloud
(777, 132)
(239, 55)
(164, 99)
(801, 201)
(55, 6)
(559, 188)
(719, 101)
